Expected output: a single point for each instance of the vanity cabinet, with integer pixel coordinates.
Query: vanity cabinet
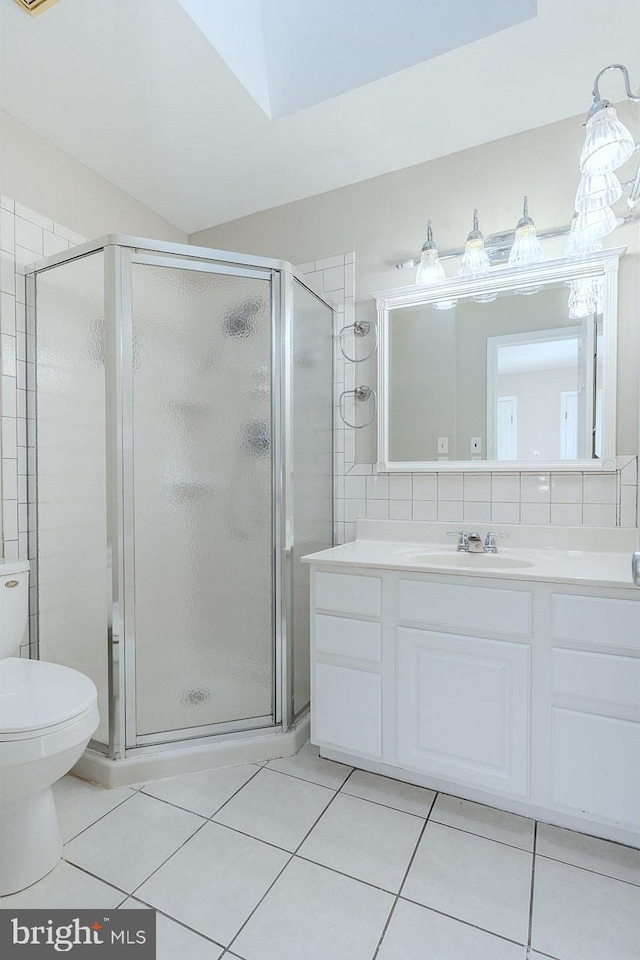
(524, 694)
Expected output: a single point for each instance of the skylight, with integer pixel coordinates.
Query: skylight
(292, 55)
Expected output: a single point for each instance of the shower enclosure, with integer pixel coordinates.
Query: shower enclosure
(183, 465)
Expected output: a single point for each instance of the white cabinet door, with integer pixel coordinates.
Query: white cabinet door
(463, 709)
(595, 765)
(347, 709)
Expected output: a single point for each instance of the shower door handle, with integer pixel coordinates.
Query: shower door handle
(635, 569)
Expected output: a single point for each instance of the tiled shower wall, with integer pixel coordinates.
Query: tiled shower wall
(566, 499)
(25, 236)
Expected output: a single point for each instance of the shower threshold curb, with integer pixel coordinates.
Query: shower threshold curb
(252, 747)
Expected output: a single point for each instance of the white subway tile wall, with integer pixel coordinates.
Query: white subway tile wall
(562, 498)
(25, 236)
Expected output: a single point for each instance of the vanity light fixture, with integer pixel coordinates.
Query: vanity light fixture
(608, 144)
(475, 261)
(526, 246)
(430, 270)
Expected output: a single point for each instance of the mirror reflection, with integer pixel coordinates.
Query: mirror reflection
(511, 379)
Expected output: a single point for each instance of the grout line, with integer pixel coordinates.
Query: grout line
(176, 806)
(293, 776)
(267, 891)
(172, 854)
(250, 836)
(98, 819)
(175, 920)
(597, 873)
(95, 876)
(349, 876)
(385, 806)
(467, 923)
(404, 879)
(533, 878)
(482, 836)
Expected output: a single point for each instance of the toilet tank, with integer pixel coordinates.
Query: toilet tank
(14, 606)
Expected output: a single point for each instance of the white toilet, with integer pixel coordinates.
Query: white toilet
(47, 716)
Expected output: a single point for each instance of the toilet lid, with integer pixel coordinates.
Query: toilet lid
(35, 694)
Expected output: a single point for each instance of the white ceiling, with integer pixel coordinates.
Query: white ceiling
(137, 92)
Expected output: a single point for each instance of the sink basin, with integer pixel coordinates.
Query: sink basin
(480, 561)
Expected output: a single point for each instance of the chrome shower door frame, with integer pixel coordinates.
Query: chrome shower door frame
(127, 740)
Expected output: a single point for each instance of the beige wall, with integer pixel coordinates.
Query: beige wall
(41, 176)
(383, 221)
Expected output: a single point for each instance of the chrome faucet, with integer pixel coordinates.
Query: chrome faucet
(472, 542)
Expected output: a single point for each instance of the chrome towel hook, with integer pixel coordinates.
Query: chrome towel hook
(362, 392)
(361, 328)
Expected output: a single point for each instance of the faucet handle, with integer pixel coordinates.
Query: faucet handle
(490, 541)
(463, 539)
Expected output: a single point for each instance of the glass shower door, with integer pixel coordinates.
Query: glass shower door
(200, 469)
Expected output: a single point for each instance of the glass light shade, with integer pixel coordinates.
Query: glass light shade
(526, 246)
(430, 270)
(608, 143)
(585, 298)
(596, 223)
(475, 260)
(597, 191)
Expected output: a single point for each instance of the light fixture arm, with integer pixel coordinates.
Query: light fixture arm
(627, 85)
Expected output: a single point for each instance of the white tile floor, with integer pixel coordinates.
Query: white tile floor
(304, 859)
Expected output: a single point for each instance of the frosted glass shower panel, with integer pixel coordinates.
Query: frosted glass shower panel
(72, 485)
(312, 462)
(202, 473)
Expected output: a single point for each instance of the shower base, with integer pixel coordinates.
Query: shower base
(137, 767)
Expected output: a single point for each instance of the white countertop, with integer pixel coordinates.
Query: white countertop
(586, 555)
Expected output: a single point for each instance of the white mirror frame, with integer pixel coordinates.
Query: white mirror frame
(602, 264)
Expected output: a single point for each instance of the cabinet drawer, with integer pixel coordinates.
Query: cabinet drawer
(476, 608)
(613, 623)
(595, 766)
(598, 676)
(347, 709)
(360, 639)
(346, 593)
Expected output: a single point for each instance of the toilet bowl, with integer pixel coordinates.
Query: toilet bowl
(48, 714)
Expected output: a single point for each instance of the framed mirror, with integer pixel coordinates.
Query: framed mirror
(511, 371)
